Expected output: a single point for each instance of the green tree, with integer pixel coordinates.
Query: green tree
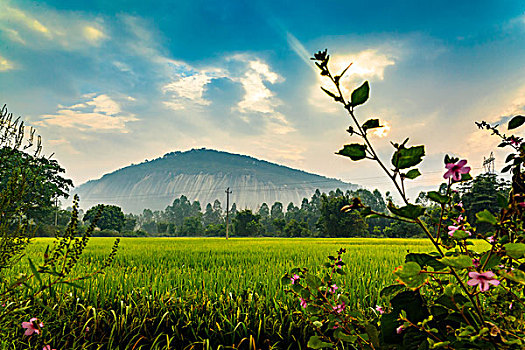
(482, 193)
(208, 218)
(130, 222)
(334, 223)
(246, 223)
(296, 229)
(111, 217)
(277, 211)
(192, 226)
(44, 183)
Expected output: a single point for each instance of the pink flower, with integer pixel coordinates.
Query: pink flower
(295, 278)
(460, 204)
(483, 279)
(521, 204)
(333, 288)
(452, 229)
(303, 303)
(33, 326)
(492, 239)
(515, 141)
(400, 329)
(47, 347)
(475, 261)
(380, 310)
(459, 219)
(455, 170)
(339, 308)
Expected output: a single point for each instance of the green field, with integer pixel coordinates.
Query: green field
(202, 292)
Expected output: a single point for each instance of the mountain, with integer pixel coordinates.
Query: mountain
(203, 175)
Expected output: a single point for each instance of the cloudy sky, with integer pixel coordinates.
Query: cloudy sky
(109, 83)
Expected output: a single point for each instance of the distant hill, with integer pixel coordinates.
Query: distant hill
(203, 175)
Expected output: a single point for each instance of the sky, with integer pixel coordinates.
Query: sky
(111, 83)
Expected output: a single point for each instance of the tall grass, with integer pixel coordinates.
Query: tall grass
(170, 293)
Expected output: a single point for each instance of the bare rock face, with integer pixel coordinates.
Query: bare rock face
(204, 175)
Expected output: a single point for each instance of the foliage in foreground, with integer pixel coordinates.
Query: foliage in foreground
(453, 298)
(29, 181)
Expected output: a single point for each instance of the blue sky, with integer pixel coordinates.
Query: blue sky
(109, 83)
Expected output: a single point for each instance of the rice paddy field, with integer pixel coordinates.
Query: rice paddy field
(200, 293)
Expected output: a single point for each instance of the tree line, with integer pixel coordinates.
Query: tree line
(319, 216)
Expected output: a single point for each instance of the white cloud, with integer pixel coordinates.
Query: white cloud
(104, 104)
(99, 114)
(6, 65)
(188, 84)
(257, 96)
(92, 34)
(47, 29)
(13, 35)
(366, 65)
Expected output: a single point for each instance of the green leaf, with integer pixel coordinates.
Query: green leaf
(438, 197)
(373, 335)
(316, 342)
(371, 124)
(502, 200)
(514, 275)
(465, 177)
(35, 271)
(392, 289)
(328, 92)
(515, 250)
(297, 287)
(285, 280)
(457, 262)
(338, 334)
(516, 122)
(405, 158)
(409, 211)
(354, 151)
(460, 234)
(451, 302)
(412, 174)
(486, 216)
(366, 212)
(313, 281)
(494, 260)
(425, 260)
(360, 95)
(410, 275)
(409, 302)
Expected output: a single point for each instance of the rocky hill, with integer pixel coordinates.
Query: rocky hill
(203, 175)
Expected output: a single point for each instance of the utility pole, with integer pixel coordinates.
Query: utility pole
(228, 192)
(56, 211)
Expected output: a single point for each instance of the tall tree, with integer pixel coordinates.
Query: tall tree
(482, 193)
(277, 211)
(334, 223)
(247, 223)
(111, 217)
